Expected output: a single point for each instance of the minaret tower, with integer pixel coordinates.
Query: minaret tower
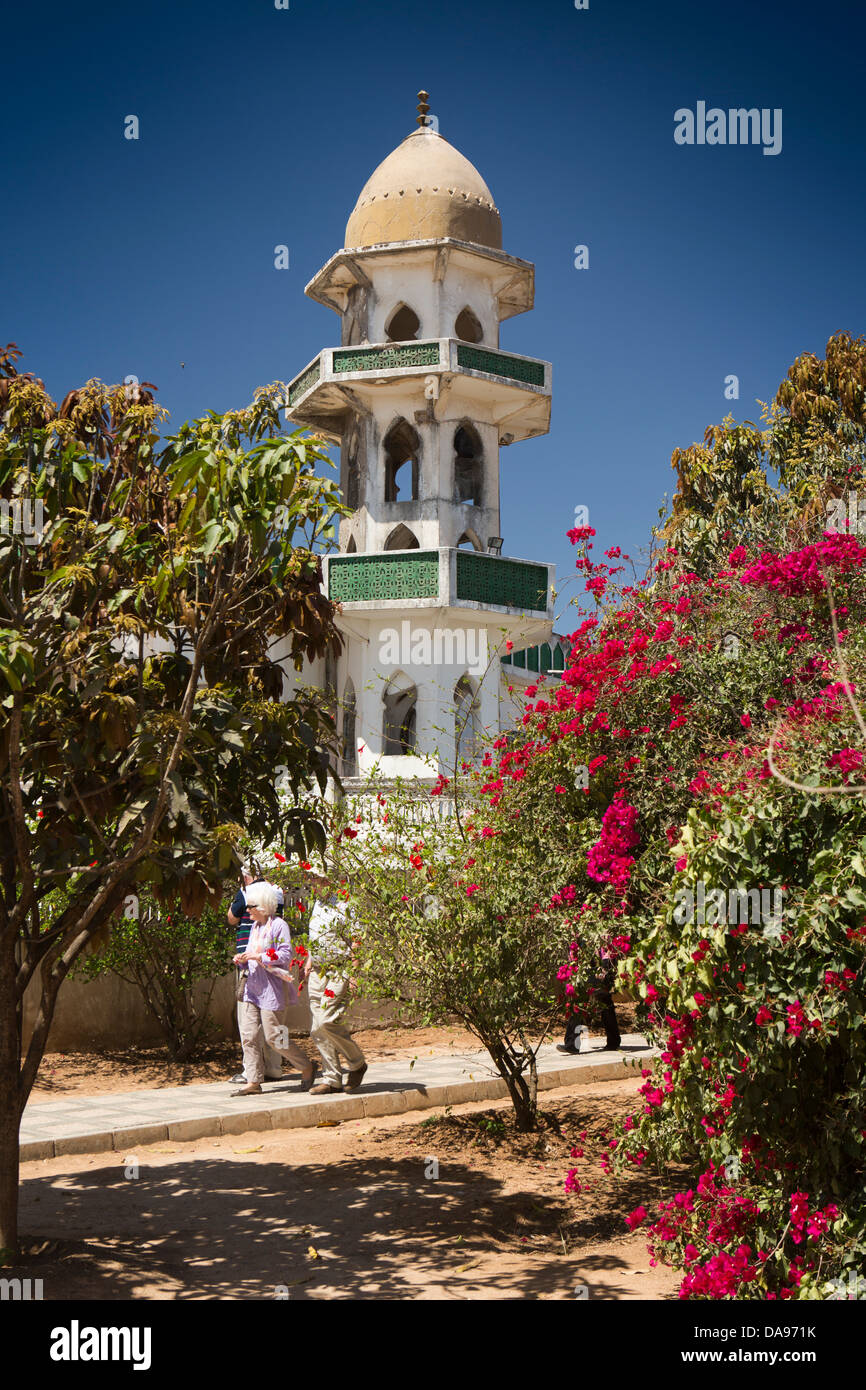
(420, 399)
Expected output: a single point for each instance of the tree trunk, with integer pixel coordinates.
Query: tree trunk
(523, 1094)
(9, 1107)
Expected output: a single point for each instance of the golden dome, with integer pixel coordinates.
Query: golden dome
(424, 189)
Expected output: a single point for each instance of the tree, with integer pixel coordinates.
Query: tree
(814, 440)
(712, 707)
(166, 955)
(438, 920)
(141, 709)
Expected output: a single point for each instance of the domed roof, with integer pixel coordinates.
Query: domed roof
(424, 189)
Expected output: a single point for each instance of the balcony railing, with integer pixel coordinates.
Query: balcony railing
(436, 354)
(447, 575)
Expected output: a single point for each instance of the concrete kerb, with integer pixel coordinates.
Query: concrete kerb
(206, 1115)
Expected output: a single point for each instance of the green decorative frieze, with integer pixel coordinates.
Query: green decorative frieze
(384, 359)
(498, 364)
(366, 578)
(302, 383)
(507, 583)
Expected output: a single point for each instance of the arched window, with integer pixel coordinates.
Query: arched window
(401, 538)
(403, 325)
(468, 326)
(402, 449)
(351, 548)
(467, 720)
(558, 657)
(546, 658)
(469, 538)
(349, 742)
(398, 716)
(468, 466)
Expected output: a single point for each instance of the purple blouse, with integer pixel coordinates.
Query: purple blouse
(263, 988)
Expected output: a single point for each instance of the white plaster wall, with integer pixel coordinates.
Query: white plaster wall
(437, 303)
(435, 518)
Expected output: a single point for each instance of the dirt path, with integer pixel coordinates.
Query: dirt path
(349, 1212)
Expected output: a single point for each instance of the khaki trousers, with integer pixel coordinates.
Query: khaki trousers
(330, 1035)
(273, 1062)
(253, 1023)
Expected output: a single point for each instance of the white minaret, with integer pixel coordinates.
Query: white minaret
(420, 399)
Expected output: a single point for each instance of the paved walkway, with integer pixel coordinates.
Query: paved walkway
(119, 1120)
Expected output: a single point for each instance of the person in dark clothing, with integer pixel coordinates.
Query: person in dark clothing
(602, 987)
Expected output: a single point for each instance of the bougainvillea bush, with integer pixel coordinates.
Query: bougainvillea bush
(704, 748)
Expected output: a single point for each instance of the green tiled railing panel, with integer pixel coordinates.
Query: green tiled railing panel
(498, 364)
(364, 578)
(508, 583)
(544, 659)
(383, 359)
(303, 382)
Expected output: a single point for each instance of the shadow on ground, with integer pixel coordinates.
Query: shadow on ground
(351, 1228)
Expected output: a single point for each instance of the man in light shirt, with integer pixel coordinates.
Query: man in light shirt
(329, 995)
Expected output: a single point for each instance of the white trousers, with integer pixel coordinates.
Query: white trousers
(330, 1035)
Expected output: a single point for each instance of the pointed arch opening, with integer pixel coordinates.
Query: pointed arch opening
(468, 326)
(353, 483)
(351, 548)
(467, 720)
(468, 465)
(403, 325)
(469, 538)
(351, 477)
(401, 538)
(402, 462)
(399, 722)
(349, 740)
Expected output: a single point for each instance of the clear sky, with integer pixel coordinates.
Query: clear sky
(259, 127)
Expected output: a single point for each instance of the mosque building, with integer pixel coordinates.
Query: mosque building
(441, 629)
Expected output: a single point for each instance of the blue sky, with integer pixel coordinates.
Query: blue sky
(259, 127)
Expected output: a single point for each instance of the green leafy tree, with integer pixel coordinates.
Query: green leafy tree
(813, 443)
(174, 962)
(438, 919)
(141, 709)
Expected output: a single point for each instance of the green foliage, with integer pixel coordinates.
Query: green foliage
(141, 709)
(814, 441)
(167, 956)
(423, 932)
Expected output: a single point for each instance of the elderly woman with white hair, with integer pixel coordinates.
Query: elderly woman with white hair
(267, 989)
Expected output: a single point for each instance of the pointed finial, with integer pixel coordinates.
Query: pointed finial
(423, 108)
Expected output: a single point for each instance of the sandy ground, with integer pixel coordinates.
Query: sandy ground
(350, 1211)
